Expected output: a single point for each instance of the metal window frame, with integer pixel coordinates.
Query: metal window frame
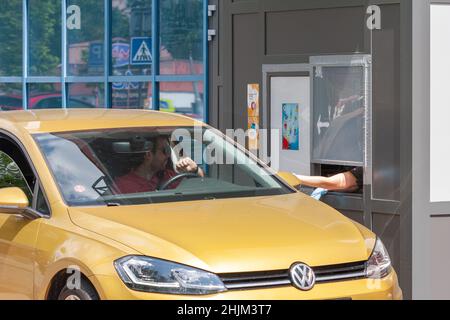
(24, 54)
(107, 78)
(64, 53)
(155, 52)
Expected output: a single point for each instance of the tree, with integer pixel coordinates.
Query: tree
(44, 37)
(181, 31)
(11, 38)
(182, 28)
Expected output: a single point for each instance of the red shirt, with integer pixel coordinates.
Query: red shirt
(133, 183)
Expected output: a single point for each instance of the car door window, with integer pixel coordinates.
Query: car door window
(11, 175)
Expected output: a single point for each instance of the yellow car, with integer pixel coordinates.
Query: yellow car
(123, 204)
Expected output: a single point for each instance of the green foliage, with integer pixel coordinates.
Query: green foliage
(182, 27)
(11, 38)
(120, 22)
(181, 31)
(92, 21)
(44, 36)
(10, 175)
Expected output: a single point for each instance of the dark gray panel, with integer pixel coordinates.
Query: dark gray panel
(317, 31)
(387, 228)
(342, 201)
(406, 102)
(357, 216)
(225, 37)
(246, 64)
(386, 106)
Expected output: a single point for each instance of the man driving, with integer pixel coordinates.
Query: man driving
(156, 169)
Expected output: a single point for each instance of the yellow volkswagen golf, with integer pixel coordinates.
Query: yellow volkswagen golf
(110, 204)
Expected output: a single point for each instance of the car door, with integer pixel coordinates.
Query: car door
(17, 234)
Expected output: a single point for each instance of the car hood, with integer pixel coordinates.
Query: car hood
(234, 235)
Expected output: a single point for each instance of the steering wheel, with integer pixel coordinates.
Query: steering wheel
(178, 177)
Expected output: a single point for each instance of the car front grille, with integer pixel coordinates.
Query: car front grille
(277, 278)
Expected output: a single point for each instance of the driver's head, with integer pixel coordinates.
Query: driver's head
(158, 157)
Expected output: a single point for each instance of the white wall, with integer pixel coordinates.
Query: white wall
(440, 102)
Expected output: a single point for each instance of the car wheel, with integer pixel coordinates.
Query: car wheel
(85, 292)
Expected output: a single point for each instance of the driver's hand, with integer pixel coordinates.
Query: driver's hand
(186, 165)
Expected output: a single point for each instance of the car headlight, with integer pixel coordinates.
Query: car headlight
(379, 264)
(160, 276)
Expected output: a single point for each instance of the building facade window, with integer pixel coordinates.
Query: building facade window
(11, 30)
(133, 54)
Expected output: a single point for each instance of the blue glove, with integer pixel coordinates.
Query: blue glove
(319, 193)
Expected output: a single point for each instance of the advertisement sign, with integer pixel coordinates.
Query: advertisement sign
(120, 54)
(253, 115)
(290, 126)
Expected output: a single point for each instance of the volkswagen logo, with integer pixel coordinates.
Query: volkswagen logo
(302, 276)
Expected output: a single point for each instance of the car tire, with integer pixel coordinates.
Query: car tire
(85, 292)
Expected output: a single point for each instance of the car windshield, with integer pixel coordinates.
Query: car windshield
(153, 165)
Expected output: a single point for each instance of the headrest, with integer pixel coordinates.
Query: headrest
(138, 144)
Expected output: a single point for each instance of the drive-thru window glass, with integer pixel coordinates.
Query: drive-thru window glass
(340, 112)
(339, 106)
(111, 54)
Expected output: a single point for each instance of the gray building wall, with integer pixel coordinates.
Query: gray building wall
(253, 33)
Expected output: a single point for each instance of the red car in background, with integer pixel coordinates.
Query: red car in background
(40, 101)
(54, 101)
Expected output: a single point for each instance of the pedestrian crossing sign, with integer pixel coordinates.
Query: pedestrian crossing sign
(141, 51)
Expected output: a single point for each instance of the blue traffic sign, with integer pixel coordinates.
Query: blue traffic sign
(141, 51)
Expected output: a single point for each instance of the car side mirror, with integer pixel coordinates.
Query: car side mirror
(13, 198)
(15, 201)
(290, 178)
